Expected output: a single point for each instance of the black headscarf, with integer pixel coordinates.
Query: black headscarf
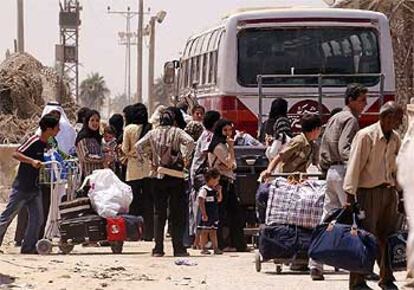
(178, 117)
(278, 109)
(142, 118)
(86, 132)
(218, 136)
(117, 121)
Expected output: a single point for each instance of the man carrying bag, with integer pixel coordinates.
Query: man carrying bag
(371, 180)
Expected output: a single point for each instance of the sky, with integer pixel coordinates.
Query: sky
(99, 49)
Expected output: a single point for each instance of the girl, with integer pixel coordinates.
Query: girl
(208, 198)
(221, 156)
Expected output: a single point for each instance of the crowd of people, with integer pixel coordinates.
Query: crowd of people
(181, 168)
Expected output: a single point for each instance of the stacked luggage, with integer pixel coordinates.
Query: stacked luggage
(81, 220)
(289, 211)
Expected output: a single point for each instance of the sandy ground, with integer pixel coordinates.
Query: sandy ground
(98, 268)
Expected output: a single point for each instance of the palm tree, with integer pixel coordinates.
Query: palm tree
(93, 91)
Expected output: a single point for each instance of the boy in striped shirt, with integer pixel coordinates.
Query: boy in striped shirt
(25, 188)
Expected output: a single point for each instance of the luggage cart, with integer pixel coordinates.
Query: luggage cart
(63, 180)
(302, 257)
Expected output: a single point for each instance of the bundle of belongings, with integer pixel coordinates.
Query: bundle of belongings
(293, 209)
(100, 211)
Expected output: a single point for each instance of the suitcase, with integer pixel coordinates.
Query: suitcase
(116, 229)
(134, 227)
(76, 208)
(87, 228)
(397, 251)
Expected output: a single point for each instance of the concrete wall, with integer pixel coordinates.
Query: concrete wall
(8, 168)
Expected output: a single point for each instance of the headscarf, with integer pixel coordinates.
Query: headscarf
(156, 116)
(167, 118)
(117, 121)
(86, 132)
(67, 134)
(218, 136)
(194, 129)
(278, 109)
(178, 117)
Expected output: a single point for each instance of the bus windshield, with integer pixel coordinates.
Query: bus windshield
(307, 50)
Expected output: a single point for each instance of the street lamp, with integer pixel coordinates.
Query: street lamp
(150, 31)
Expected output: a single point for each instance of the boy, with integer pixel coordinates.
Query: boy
(25, 188)
(301, 149)
(198, 113)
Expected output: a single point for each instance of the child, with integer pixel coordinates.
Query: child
(25, 189)
(109, 145)
(208, 198)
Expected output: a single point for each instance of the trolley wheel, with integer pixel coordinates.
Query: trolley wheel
(117, 247)
(66, 248)
(257, 262)
(44, 247)
(278, 269)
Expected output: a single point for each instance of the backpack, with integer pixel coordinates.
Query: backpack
(169, 157)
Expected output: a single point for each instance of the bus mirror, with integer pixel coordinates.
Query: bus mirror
(169, 72)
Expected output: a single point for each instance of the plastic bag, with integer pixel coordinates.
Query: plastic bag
(109, 195)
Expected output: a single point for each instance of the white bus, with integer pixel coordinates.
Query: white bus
(306, 55)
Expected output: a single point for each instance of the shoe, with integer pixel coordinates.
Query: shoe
(182, 254)
(316, 275)
(157, 254)
(372, 277)
(218, 252)
(388, 286)
(362, 286)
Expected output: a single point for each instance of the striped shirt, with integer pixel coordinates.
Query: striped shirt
(150, 146)
(90, 155)
(27, 178)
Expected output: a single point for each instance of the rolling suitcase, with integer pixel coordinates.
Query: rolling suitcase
(76, 208)
(83, 229)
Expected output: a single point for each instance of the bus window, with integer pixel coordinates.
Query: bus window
(307, 50)
(205, 69)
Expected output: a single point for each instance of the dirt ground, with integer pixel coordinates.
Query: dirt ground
(97, 268)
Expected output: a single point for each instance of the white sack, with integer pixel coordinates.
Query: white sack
(109, 195)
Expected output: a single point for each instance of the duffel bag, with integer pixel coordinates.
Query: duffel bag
(397, 255)
(278, 242)
(344, 246)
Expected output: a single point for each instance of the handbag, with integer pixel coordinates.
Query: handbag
(397, 250)
(344, 246)
(171, 158)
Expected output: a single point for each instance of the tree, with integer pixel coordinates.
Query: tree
(118, 103)
(93, 91)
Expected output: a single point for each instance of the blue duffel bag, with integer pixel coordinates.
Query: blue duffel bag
(344, 246)
(283, 241)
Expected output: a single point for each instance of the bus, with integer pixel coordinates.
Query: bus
(306, 55)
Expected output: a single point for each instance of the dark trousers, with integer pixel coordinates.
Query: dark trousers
(382, 219)
(33, 202)
(169, 193)
(230, 231)
(143, 204)
(22, 218)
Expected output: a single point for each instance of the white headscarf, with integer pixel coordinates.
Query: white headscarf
(67, 134)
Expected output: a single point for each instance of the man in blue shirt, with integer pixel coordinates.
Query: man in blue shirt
(25, 188)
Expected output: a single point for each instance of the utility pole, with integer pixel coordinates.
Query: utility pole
(139, 50)
(125, 39)
(150, 31)
(20, 26)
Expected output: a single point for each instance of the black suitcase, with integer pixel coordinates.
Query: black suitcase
(87, 228)
(76, 208)
(134, 227)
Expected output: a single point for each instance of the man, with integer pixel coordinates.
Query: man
(161, 146)
(25, 188)
(334, 153)
(371, 180)
(300, 151)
